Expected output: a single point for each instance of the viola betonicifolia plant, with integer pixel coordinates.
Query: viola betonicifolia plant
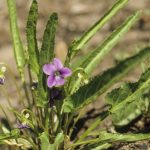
(54, 96)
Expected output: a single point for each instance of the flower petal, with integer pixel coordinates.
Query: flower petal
(59, 80)
(57, 63)
(2, 80)
(51, 81)
(65, 72)
(49, 69)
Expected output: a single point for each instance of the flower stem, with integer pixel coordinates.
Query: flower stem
(26, 93)
(15, 83)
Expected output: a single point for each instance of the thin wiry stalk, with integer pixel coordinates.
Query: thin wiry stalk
(11, 73)
(76, 120)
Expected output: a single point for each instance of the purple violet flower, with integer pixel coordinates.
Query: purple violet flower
(56, 73)
(22, 126)
(2, 80)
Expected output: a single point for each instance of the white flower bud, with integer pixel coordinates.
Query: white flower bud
(27, 115)
(3, 69)
(80, 75)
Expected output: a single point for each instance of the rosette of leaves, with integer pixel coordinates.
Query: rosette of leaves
(51, 127)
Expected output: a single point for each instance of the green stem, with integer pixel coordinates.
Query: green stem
(68, 120)
(27, 94)
(7, 96)
(31, 81)
(75, 121)
(84, 142)
(93, 126)
(46, 119)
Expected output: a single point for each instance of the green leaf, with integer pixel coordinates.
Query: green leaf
(99, 84)
(45, 144)
(31, 37)
(133, 110)
(143, 85)
(45, 141)
(46, 55)
(59, 139)
(117, 137)
(18, 47)
(77, 45)
(47, 49)
(105, 138)
(41, 94)
(13, 134)
(98, 54)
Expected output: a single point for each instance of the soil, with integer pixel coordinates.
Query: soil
(75, 17)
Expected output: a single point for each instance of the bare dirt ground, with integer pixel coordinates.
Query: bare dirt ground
(75, 17)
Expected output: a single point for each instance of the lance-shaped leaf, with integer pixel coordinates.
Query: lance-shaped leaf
(142, 86)
(46, 55)
(18, 47)
(117, 137)
(78, 44)
(31, 37)
(105, 137)
(96, 56)
(132, 110)
(47, 49)
(99, 84)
